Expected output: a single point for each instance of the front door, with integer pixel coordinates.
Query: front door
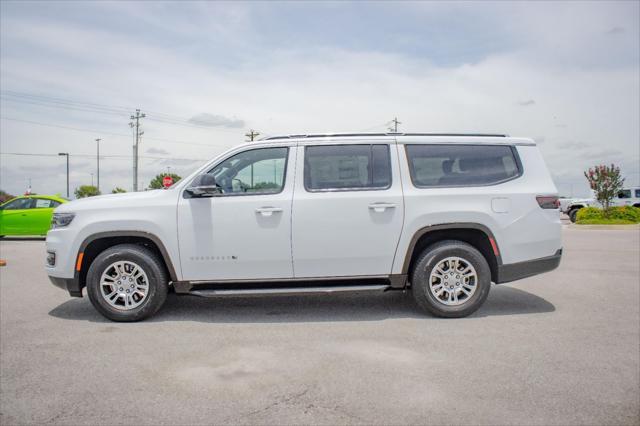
(348, 210)
(244, 232)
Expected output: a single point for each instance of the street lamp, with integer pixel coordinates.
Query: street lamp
(98, 161)
(67, 155)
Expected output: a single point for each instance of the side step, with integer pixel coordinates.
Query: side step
(288, 291)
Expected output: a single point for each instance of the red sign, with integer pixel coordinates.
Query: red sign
(167, 181)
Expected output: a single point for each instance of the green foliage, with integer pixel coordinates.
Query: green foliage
(260, 186)
(606, 182)
(156, 182)
(617, 216)
(86, 191)
(4, 196)
(117, 190)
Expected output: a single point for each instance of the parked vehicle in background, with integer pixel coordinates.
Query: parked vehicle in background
(28, 215)
(626, 197)
(444, 215)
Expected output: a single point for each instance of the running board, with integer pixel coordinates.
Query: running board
(289, 291)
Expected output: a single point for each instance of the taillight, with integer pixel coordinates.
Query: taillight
(548, 202)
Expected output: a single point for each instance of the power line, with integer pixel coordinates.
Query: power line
(67, 104)
(147, 157)
(100, 131)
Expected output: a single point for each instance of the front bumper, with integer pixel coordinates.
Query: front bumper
(72, 285)
(520, 270)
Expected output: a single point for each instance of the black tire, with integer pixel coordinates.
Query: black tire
(430, 258)
(573, 215)
(152, 267)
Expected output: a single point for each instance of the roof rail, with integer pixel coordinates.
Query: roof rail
(331, 135)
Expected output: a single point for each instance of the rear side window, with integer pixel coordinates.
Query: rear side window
(347, 167)
(42, 203)
(637, 193)
(461, 165)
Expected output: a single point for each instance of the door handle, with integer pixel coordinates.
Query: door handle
(268, 211)
(381, 207)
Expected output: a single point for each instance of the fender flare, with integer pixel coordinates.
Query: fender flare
(140, 234)
(443, 226)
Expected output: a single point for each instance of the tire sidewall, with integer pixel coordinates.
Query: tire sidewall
(431, 257)
(573, 215)
(149, 264)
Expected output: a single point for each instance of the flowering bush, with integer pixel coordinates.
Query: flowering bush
(606, 182)
(616, 215)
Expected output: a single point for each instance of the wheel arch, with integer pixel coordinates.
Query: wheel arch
(93, 245)
(475, 234)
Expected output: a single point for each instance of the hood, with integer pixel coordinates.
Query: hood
(120, 200)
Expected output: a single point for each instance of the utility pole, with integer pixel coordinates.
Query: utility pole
(252, 135)
(67, 155)
(139, 133)
(395, 125)
(98, 161)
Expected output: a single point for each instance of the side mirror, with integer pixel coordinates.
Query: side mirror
(203, 186)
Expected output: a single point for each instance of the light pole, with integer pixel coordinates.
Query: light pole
(67, 155)
(98, 161)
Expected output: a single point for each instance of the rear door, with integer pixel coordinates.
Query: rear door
(347, 209)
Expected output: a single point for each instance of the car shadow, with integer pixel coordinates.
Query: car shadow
(23, 238)
(503, 300)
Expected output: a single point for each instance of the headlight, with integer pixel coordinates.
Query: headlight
(60, 220)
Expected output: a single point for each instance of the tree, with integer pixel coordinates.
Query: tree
(117, 190)
(156, 182)
(4, 196)
(606, 182)
(86, 191)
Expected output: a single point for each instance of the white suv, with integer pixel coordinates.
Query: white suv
(444, 215)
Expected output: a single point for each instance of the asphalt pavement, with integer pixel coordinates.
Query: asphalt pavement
(561, 348)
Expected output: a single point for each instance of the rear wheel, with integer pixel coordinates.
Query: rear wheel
(127, 282)
(451, 279)
(573, 215)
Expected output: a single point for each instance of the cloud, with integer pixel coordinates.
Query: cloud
(572, 145)
(528, 102)
(158, 151)
(602, 155)
(616, 30)
(211, 120)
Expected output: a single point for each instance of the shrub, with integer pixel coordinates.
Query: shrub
(618, 215)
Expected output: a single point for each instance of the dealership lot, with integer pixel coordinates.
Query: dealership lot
(560, 348)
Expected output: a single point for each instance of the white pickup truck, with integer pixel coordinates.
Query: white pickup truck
(626, 197)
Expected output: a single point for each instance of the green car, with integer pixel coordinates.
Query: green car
(28, 215)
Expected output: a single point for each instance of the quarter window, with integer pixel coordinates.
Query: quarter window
(257, 171)
(347, 167)
(461, 165)
(42, 203)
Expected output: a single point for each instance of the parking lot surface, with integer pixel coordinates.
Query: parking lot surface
(556, 349)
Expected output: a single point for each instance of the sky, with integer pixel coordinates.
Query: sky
(566, 74)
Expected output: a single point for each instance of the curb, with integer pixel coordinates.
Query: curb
(606, 227)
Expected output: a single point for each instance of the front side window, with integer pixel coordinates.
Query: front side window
(461, 165)
(19, 204)
(347, 167)
(625, 193)
(257, 171)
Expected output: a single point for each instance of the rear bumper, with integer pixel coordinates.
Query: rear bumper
(520, 270)
(72, 285)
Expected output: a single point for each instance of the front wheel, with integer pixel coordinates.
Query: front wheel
(127, 283)
(451, 279)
